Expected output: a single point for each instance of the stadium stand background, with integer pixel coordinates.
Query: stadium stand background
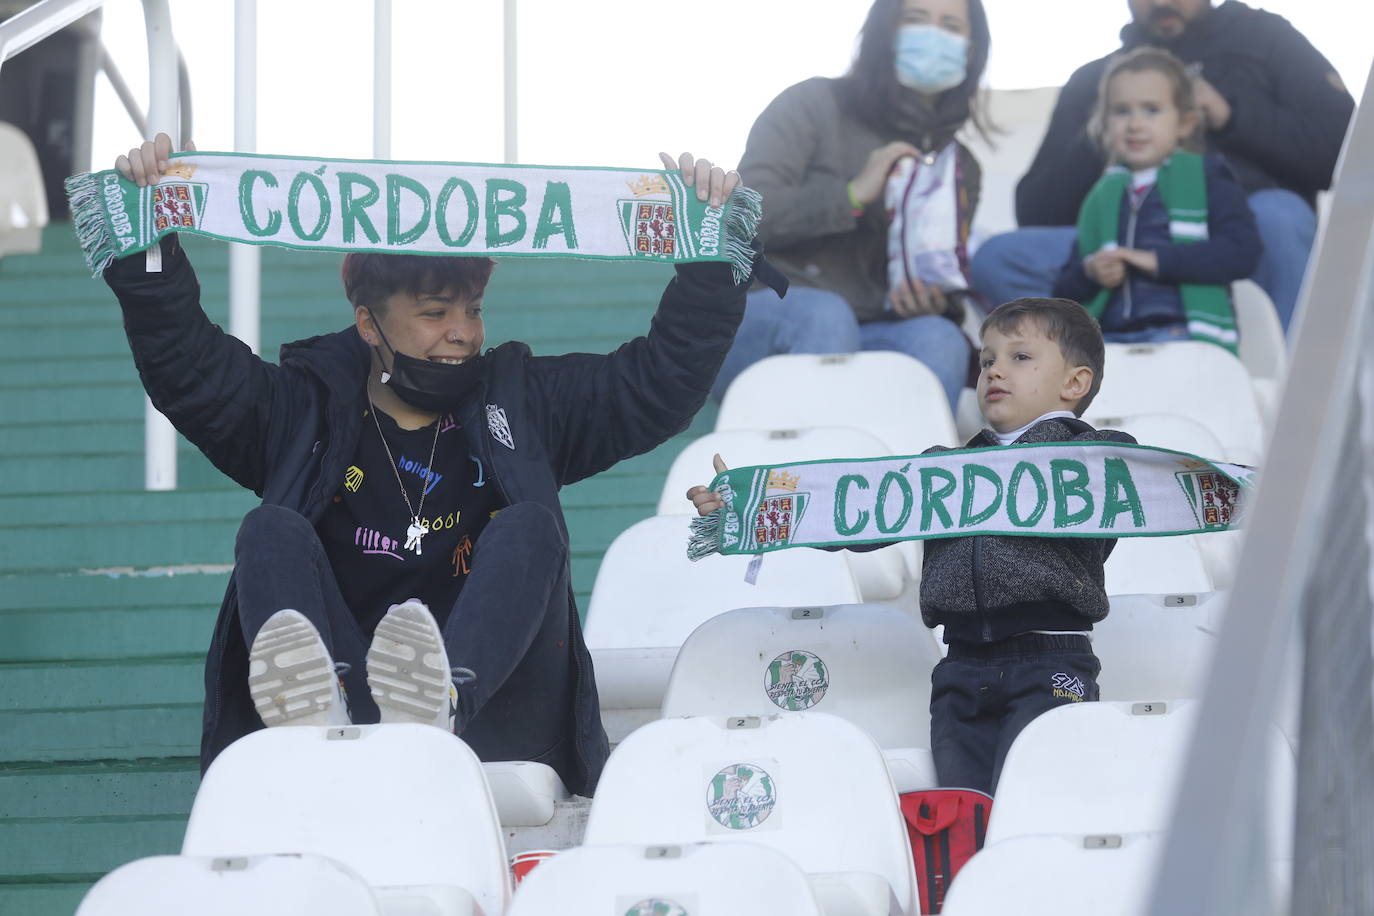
(108, 593)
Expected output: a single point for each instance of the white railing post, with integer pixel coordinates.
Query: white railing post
(509, 82)
(245, 261)
(381, 79)
(159, 438)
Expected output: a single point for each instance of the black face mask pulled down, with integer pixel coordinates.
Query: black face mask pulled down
(429, 386)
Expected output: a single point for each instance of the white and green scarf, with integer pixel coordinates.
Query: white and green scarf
(1182, 183)
(432, 208)
(1096, 490)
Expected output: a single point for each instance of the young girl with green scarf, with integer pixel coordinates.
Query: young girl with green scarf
(1165, 231)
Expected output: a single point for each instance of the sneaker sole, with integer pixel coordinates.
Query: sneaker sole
(290, 676)
(407, 667)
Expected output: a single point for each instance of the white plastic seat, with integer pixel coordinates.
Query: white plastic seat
(1153, 565)
(648, 597)
(1263, 349)
(882, 575)
(892, 395)
(700, 879)
(1051, 875)
(810, 785)
(1166, 430)
(1189, 378)
(648, 594)
(405, 806)
(1157, 647)
(525, 793)
(230, 886)
(1126, 761)
(23, 199)
(867, 663)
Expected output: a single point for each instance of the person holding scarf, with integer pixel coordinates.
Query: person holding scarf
(410, 559)
(822, 153)
(1166, 230)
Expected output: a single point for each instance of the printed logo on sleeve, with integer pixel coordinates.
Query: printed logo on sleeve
(499, 426)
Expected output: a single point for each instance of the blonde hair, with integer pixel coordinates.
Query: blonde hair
(1148, 60)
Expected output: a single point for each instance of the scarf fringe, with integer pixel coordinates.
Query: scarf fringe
(88, 218)
(705, 537)
(743, 212)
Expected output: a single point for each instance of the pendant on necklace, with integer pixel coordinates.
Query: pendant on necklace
(413, 535)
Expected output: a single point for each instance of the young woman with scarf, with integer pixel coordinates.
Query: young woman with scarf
(822, 155)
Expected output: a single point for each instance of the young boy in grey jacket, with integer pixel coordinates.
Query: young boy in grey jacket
(1017, 611)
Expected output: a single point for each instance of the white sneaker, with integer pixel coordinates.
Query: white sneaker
(291, 677)
(408, 670)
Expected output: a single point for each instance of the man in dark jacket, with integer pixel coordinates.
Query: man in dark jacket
(1272, 105)
(400, 423)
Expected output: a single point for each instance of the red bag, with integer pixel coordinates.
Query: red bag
(946, 826)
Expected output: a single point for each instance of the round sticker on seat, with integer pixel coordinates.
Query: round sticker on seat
(796, 680)
(656, 906)
(741, 796)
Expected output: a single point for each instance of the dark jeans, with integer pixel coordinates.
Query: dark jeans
(982, 696)
(511, 624)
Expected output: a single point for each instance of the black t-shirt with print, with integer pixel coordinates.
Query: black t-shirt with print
(364, 531)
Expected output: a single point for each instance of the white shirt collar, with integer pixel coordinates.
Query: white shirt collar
(1144, 178)
(1009, 438)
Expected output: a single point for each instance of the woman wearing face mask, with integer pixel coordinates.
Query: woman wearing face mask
(822, 154)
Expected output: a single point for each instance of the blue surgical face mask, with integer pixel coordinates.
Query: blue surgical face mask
(930, 59)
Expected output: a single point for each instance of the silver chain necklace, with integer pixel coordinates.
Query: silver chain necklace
(417, 529)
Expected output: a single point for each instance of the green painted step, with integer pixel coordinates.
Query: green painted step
(131, 631)
(167, 730)
(53, 846)
(54, 898)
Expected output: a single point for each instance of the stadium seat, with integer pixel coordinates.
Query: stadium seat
(23, 200)
(648, 594)
(1113, 768)
(968, 417)
(882, 575)
(867, 663)
(1152, 565)
(405, 806)
(1051, 875)
(891, 395)
(1166, 430)
(810, 785)
(1263, 349)
(525, 793)
(301, 885)
(1189, 378)
(1157, 647)
(630, 682)
(692, 879)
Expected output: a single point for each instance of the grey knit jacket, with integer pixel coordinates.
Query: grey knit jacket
(990, 587)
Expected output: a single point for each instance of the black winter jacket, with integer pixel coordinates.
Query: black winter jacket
(287, 432)
(989, 587)
(1289, 113)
